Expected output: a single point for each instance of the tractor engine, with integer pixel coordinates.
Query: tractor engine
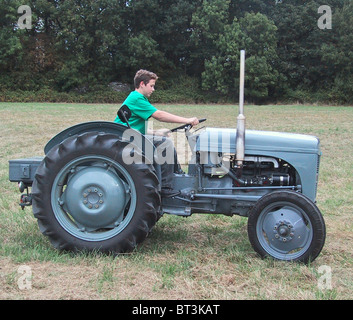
(256, 170)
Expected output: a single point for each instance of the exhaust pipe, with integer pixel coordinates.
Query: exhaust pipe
(241, 119)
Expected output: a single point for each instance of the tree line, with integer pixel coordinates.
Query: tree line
(294, 51)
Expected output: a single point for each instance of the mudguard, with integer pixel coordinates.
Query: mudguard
(100, 126)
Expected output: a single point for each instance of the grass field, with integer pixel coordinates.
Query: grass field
(201, 257)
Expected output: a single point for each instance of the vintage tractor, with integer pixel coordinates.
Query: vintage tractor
(98, 186)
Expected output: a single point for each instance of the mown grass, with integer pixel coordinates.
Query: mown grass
(200, 257)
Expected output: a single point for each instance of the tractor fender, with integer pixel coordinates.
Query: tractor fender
(99, 126)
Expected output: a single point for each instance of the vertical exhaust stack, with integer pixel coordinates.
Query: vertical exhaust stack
(241, 118)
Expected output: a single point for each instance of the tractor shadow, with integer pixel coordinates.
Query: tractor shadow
(203, 234)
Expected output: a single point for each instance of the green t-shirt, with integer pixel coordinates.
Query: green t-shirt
(141, 111)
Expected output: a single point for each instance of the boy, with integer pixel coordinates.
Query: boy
(141, 111)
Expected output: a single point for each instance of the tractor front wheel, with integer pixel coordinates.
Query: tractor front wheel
(287, 226)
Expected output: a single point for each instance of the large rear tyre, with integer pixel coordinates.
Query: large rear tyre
(286, 225)
(86, 197)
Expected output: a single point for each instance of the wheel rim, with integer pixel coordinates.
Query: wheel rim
(93, 198)
(284, 230)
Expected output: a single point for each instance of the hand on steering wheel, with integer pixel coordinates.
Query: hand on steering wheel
(186, 126)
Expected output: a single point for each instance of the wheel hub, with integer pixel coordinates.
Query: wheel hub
(283, 231)
(96, 198)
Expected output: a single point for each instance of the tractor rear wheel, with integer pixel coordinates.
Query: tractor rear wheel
(86, 197)
(288, 226)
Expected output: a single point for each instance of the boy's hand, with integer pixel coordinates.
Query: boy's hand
(193, 121)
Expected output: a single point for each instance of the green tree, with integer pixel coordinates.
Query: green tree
(260, 41)
(208, 23)
(83, 43)
(10, 35)
(299, 44)
(220, 69)
(173, 32)
(257, 35)
(337, 53)
(87, 41)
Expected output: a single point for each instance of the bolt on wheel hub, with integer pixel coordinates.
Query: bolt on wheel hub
(93, 198)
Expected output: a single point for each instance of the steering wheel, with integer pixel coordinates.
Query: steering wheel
(186, 126)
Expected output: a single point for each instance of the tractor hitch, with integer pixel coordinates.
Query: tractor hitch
(26, 198)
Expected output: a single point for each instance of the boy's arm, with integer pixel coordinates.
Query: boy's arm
(164, 116)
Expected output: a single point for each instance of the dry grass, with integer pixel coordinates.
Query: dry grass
(201, 257)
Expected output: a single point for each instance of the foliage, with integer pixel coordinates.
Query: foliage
(79, 44)
(337, 54)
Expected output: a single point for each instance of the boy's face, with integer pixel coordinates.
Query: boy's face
(147, 89)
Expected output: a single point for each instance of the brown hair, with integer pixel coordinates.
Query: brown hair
(145, 76)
